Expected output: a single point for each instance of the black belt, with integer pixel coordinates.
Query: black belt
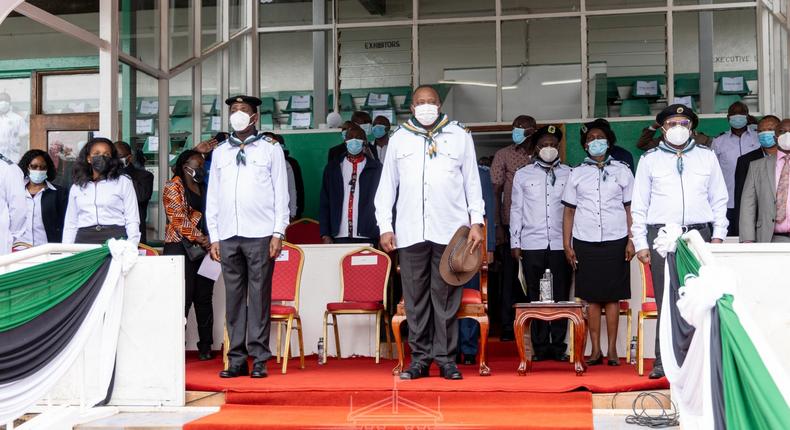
(687, 227)
(782, 234)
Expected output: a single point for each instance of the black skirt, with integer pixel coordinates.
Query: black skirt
(100, 234)
(602, 274)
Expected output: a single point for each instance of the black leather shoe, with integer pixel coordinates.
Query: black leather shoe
(561, 357)
(595, 361)
(415, 371)
(234, 371)
(206, 355)
(450, 371)
(656, 373)
(259, 370)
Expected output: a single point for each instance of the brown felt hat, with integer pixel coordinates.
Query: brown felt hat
(458, 266)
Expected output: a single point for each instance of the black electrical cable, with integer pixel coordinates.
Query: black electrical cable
(664, 418)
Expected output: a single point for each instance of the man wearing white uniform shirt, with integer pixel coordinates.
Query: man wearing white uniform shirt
(246, 215)
(12, 204)
(431, 171)
(12, 130)
(728, 147)
(677, 183)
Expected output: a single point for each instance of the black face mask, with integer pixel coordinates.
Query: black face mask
(197, 175)
(100, 163)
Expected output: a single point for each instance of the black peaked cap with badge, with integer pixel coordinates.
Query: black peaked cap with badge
(252, 101)
(547, 129)
(677, 110)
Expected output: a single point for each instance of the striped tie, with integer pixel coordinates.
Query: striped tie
(781, 191)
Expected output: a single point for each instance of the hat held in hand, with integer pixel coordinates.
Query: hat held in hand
(458, 265)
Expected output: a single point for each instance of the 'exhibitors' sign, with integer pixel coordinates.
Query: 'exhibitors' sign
(383, 44)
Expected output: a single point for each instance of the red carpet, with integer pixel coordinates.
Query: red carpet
(357, 393)
(362, 374)
(556, 411)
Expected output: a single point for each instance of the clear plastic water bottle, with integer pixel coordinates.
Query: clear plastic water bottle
(547, 287)
(320, 350)
(633, 350)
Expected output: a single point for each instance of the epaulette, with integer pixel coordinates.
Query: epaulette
(650, 151)
(4, 158)
(269, 139)
(460, 124)
(703, 147)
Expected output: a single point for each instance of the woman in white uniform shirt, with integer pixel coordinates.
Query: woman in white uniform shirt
(596, 226)
(102, 202)
(46, 202)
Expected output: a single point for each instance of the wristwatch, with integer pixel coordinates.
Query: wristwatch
(278, 235)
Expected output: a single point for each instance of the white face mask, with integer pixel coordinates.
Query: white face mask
(426, 114)
(4, 106)
(677, 135)
(548, 154)
(239, 121)
(784, 142)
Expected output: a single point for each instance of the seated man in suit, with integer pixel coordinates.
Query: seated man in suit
(346, 212)
(765, 209)
(765, 135)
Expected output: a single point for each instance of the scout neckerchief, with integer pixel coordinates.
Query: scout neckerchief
(241, 156)
(599, 164)
(549, 168)
(678, 152)
(416, 128)
(354, 160)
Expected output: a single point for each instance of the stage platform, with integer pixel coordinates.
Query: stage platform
(356, 392)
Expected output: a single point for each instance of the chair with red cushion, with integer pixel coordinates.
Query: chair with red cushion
(474, 305)
(146, 250)
(364, 275)
(304, 231)
(648, 311)
(286, 282)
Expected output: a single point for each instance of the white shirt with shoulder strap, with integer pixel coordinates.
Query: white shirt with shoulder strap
(435, 195)
(12, 204)
(104, 202)
(536, 208)
(728, 147)
(662, 195)
(247, 200)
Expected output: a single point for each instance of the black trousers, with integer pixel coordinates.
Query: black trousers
(657, 263)
(247, 271)
(431, 305)
(199, 291)
(511, 292)
(732, 217)
(548, 338)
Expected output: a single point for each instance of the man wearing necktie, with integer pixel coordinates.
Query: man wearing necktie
(246, 214)
(680, 183)
(765, 215)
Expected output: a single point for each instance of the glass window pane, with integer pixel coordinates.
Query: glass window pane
(516, 7)
(627, 64)
(462, 59)
(733, 58)
(72, 93)
(238, 17)
(14, 117)
(212, 104)
(695, 2)
(623, 4)
(357, 11)
(378, 65)
(139, 30)
(23, 38)
(180, 31)
(82, 13)
(211, 23)
(284, 13)
(289, 96)
(140, 129)
(238, 67)
(541, 68)
(455, 8)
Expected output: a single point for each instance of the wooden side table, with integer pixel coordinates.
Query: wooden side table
(549, 312)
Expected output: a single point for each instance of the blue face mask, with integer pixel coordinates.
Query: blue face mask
(343, 134)
(738, 121)
(379, 131)
(354, 146)
(37, 176)
(766, 139)
(366, 128)
(597, 147)
(518, 135)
